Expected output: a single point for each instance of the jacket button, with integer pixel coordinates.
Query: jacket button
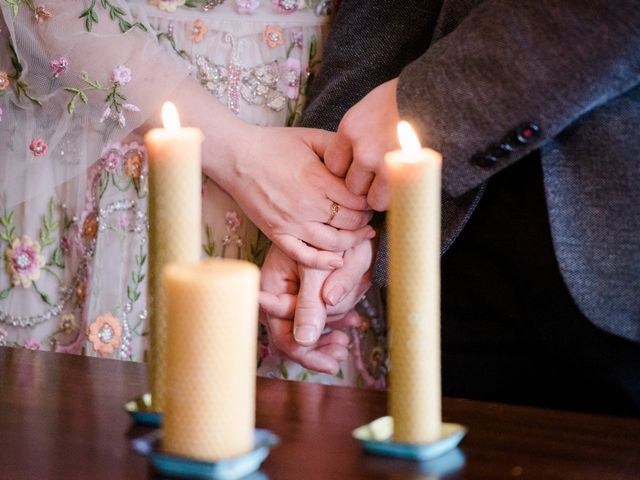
(500, 150)
(484, 160)
(527, 132)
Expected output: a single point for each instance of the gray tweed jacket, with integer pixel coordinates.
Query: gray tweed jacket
(487, 82)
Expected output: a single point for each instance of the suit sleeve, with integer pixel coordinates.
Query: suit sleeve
(513, 75)
(369, 42)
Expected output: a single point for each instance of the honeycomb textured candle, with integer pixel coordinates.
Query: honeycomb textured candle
(175, 179)
(212, 311)
(414, 295)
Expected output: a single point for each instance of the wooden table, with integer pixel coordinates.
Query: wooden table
(61, 417)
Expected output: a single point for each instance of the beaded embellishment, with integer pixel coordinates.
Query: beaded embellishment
(256, 86)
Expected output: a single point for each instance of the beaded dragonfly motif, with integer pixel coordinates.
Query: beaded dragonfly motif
(257, 85)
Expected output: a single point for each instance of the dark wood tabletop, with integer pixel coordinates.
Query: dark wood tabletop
(62, 417)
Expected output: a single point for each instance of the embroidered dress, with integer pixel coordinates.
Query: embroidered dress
(73, 230)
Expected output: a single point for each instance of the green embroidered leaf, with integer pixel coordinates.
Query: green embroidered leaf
(5, 293)
(131, 293)
(313, 48)
(43, 296)
(71, 106)
(3, 93)
(14, 5)
(283, 370)
(58, 258)
(83, 97)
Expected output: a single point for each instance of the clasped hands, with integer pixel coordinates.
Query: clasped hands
(315, 279)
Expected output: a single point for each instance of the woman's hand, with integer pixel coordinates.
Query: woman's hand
(279, 181)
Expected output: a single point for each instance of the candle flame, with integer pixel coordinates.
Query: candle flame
(170, 117)
(408, 138)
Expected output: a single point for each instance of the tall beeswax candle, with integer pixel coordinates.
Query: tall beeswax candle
(414, 289)
(174, 223)
(212, 312)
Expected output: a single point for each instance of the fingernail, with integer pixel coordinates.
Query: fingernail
(336, 263)
(335, 295)
(305, 334)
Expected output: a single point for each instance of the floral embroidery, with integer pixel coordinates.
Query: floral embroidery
(287, 6)
(232, 222)
(32, 344)
(3, 337)
(133, 163)
(273, 36)
(104, 334)
(198, 29)
(120, 76)
(297, 37)
(38, 147)
(23, 261)
(41, 14)
(111, 161)
(115, 13)
(4, 81)
(247, 6)
(21, 86)
(59, 66)
(67, 323)
(90, 226)
(167, 5)
(292, 78)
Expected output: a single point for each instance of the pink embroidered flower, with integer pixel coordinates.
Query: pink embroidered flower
(273, 36)
(198, 29)
(4, 81)
(111, 161)
(297, 37)
(23, 261)
(68, 323)
(38, 147)
(32, 344)
(41, 14)
(292, 77)
(247, 6)
(104, 334)
(59, 66)
(231, 221)
(167, 5)
(121, 75)
(285, 6)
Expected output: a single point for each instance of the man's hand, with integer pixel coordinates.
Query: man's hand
(365, 134)
(300, 301)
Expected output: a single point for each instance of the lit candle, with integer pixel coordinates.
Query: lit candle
(414, 289)
(174, 223)
(212, 316)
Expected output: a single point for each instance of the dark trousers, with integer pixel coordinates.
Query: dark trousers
(510, 329)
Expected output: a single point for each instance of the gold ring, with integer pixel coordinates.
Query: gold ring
(334, 208)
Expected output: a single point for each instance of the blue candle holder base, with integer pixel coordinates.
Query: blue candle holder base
(377, 437)
(244, 466)
(141, 412)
